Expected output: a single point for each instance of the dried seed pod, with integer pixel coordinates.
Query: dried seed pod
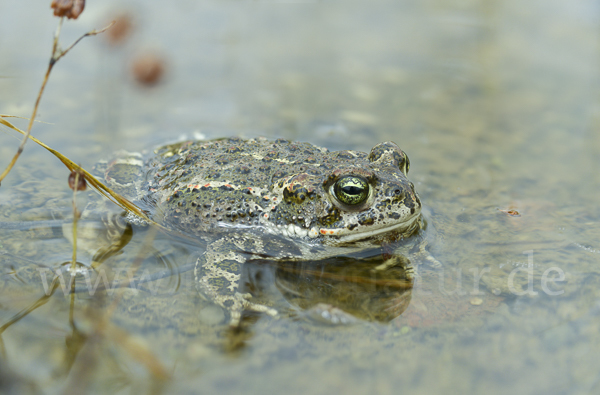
(69, 8)
(81, 184)
(148, 69)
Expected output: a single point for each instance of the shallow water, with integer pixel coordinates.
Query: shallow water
(496, 105)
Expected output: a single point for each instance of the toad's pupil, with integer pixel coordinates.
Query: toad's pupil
(352, 190)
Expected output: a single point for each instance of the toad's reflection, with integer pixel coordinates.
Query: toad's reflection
(344, 290)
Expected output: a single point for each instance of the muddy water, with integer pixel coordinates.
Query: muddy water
(496, 105)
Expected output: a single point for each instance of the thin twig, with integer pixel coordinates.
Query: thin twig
(90, 33)
(57, 53)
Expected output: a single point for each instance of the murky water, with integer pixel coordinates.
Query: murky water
(495, 102)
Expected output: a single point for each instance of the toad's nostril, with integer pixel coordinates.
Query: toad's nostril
(399, 195)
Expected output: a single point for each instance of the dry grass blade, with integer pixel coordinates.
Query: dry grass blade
(91, 180)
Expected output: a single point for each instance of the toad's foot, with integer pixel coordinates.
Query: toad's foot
(240, 303)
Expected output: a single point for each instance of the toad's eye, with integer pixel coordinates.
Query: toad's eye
(351, 190)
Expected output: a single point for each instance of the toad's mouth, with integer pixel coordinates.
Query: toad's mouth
(345, 235)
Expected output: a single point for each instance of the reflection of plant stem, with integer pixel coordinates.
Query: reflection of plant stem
(86, 346)
(57, 53)
(138, 351)
(104, 329)
(146, 246)
(21, 314)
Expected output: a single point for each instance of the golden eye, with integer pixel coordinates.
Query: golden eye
(351, 190)
(407, 165)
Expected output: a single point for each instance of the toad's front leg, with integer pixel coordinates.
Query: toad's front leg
(218, 272)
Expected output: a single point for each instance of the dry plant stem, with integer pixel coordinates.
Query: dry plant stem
(76, 215)
(37, 103)
(57, 53)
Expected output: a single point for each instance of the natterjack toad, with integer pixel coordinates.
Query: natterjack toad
(265, 199)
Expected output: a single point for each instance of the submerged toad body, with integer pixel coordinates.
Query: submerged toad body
(266, 199)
